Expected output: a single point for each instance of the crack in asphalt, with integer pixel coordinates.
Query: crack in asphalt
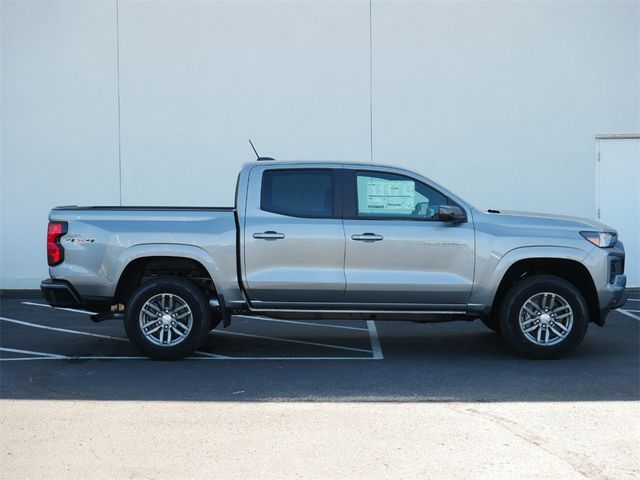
(580, 463)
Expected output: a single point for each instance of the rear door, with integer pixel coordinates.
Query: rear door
(398, 253)
(293, 237)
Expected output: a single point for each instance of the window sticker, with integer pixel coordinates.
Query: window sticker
(394, 196)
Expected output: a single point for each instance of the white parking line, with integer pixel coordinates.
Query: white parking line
(376, 349)
(213, 355)
(374, 340)
(29, 352)
(285, 358)
(628, 314)
(78, 332)
(62, 357)
(75, 310)
(63, 330)
(26, 359)
(288, 340)
(261, 359)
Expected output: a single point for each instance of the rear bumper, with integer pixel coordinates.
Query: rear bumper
(58, 293)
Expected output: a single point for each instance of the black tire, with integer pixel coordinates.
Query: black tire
(184, 291)
(516, 298)
(492, 323)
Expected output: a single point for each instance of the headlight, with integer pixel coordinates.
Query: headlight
(601, 239)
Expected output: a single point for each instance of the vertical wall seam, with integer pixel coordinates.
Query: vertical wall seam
(118, 97)
(370, 82)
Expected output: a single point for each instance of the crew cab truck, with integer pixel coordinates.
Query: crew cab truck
(335, 241)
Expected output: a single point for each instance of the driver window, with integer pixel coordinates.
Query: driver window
(392, 196)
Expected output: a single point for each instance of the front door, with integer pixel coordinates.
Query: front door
(397, 250)
(293, 238)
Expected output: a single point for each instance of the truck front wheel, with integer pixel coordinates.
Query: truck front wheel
(168, 318)
(543, 317)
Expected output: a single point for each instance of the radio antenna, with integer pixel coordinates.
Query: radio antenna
(258, 157)
(254, 149)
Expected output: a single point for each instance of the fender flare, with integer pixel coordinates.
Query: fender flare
(487, 295)
(145, 250)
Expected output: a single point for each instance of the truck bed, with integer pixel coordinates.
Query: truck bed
(101, 241)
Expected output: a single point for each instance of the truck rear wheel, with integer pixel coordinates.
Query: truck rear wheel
(168, 318)
(543, 317)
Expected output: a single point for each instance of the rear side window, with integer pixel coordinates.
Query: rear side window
(298, 192)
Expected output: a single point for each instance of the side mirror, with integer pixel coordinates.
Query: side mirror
(451, 213)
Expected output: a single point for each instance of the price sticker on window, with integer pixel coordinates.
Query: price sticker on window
(390, 195)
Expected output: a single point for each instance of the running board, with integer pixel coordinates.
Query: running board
(426, 315)
(300, 310)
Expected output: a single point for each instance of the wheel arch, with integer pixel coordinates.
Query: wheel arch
(167, 260)
(569, 269)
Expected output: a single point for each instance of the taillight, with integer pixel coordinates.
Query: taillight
(55, 252)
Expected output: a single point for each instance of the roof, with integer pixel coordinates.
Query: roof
(313, 162)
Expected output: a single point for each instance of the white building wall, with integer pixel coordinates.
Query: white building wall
(59, 129)
(500, 101)
(198, 80)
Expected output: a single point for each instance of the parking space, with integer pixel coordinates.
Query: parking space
(35, 331)
(632, 307)
(267, 359)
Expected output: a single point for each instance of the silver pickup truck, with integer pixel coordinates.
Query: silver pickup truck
(335, 241)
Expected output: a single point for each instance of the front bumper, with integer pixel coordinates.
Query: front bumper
(615, 294)
(59, 293)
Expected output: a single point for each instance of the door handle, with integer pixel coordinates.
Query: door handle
(371, 237)
(269, 235)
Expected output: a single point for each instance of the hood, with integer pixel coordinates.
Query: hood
(544, 221)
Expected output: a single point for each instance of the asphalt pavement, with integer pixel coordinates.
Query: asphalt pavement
(59, 354)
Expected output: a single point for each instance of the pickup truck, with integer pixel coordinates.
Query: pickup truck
(335, 241)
